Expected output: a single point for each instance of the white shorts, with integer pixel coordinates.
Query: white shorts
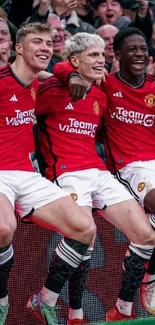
(28, 191)
(139, 178)
(93, 187)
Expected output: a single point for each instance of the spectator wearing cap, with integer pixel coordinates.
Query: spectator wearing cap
(110, 12)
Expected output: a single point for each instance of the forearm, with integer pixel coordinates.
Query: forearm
(63, 71)
(43, 8)
(37, 17)
(142, 22)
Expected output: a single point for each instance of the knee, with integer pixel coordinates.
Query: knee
(89, 234)
(6, 234)
(147, 237)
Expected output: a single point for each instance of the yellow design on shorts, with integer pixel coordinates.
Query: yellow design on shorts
(74, 196)
(141, 186)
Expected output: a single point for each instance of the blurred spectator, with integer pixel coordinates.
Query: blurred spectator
(107, 32)
(74, 24)
(152, 43)
(67, 34)
(40, 11)
(12, 28)
(140, 13)
(58, 40)
(58, 37)
(84, 11)
(110, 12)
(5, 42)
(69, 17)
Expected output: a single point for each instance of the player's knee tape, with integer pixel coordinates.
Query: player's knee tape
(71, 251)
(142, 250)
(133, 274)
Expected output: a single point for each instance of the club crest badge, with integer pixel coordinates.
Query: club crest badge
(96, 108)
(150, 100)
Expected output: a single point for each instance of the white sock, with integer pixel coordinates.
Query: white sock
(124, 307)
(4, 301)
(49, 297)
(75, 313)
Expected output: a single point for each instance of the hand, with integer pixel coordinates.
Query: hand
(151, 66)
(78, 88)
(62, 6)
(5, 50)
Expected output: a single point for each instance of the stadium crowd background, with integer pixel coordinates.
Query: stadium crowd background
(69, 17)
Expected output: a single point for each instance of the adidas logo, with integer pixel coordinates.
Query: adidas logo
(69, 106)
(13, 99)
(118, 94)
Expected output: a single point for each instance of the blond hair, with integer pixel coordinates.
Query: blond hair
(82, 41)
(32, 28)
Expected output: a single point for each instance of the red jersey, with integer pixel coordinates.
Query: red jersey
(69, 128)
(16, 121)
(129, 119)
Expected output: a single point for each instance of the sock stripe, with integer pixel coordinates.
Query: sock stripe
(64, 250)
(68, 254)
(143, 251)
(75, 253)
(65, 258)
(6, 256)
(88, 254)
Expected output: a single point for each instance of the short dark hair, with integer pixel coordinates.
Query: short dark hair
(123, 34)
(32, 28)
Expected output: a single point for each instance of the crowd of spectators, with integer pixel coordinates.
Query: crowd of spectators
(68, 17)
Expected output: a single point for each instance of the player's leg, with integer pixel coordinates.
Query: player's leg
(134, 267)
(80, 185)
(129, 217)
(77, 285)
(55, 209)
(7, 228)
(147, 289)
(140, 179)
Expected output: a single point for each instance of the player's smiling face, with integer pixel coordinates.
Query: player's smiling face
(133, 55)
(90, 63)
(37, 50)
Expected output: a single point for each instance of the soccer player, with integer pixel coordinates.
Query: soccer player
(34, 197)
(129, 141)
(67, 140)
